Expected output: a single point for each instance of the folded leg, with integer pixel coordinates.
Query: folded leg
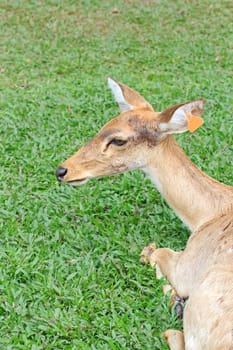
(175, 339)
(164, 259)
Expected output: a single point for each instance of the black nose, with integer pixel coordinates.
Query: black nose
(60, 173)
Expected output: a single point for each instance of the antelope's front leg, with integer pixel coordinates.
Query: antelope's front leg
(147, 256)
(164, 259)
(175, 339)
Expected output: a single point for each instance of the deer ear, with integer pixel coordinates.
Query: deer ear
(181, 118)
(126, 97)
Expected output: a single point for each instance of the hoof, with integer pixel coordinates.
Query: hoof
(146, 253)
(178, 305)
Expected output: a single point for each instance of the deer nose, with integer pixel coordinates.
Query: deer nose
(60, 173)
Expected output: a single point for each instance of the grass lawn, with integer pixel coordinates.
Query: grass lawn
(70, 276)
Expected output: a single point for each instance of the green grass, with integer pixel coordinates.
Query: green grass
(69, 271)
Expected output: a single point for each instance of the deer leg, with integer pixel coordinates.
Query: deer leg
(145, 258)
(165, 261)
(175, 339)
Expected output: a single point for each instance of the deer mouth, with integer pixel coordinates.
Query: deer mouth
(78, 182)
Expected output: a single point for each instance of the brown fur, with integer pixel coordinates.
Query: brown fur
(203, 271)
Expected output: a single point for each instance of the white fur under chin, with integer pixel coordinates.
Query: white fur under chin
(154, 178)
(78, 183)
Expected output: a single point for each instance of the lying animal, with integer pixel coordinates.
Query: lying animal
(140, 138)
(203, 273)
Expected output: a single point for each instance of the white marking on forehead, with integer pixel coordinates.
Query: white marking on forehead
(117, 92)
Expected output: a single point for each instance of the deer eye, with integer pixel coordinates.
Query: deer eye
(117, 142)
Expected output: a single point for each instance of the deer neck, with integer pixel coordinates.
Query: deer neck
(194, 196)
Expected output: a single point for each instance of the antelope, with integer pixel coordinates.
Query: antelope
(140, 138)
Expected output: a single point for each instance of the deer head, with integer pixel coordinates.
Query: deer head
(129, 140)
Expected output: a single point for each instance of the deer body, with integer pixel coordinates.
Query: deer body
(140, 138)
(203, 273)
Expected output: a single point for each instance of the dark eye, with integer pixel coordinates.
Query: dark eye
(117, 142)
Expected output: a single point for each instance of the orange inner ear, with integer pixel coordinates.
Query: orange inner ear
(194, 122)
